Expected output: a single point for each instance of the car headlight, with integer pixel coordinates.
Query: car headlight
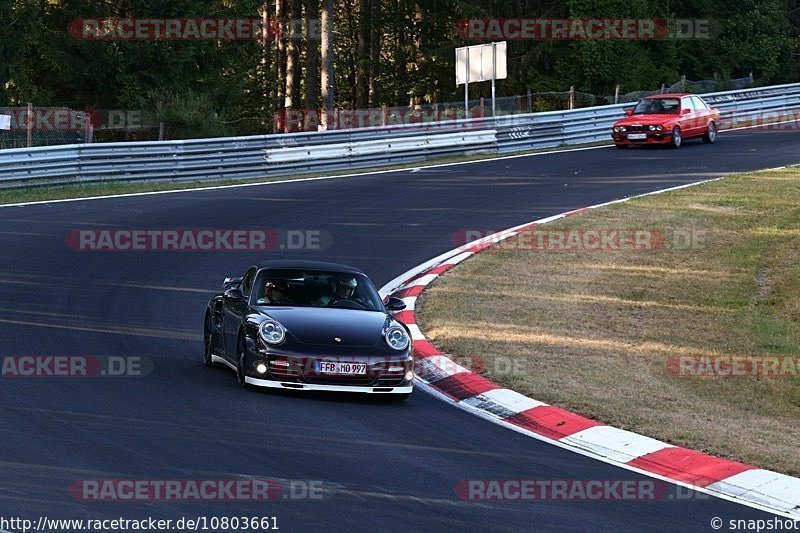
(623, 128)
(397, 338)
(659, 127)
(271, 332)
(652, 127)
(616, 129)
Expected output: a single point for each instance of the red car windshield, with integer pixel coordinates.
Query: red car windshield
(657, 106)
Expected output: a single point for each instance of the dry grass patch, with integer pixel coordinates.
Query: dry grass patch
(592, 331)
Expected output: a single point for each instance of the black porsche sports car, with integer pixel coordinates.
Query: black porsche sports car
(312, 326)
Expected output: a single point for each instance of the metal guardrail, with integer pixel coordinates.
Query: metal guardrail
(229, 158)
(297, 153)
(555, 128)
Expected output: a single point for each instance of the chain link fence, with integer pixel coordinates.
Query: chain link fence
(686, 86)
(294, 120)
(33, 126)
(43, 126)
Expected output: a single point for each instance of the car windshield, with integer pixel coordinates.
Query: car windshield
(316, 288)
(652, 106)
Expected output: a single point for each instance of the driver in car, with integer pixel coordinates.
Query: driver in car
(275, 293)
(657, 107)
(343, 289)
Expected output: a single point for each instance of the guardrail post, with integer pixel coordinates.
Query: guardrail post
(88, 129)
(29, 125)
(572, 97)
(616, 94)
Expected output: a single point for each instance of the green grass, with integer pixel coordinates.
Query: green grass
(592, 331)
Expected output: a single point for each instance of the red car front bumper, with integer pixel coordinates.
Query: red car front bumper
(654, 137)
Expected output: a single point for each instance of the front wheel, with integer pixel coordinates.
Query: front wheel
(676, 139)
(241, 364)
(711, 134)
(208, 342)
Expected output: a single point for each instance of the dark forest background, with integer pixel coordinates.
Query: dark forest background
(382, 53)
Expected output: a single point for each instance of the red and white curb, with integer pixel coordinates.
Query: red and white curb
(445, 379)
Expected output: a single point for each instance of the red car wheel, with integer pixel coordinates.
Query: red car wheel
(711, 133)
(676, 139)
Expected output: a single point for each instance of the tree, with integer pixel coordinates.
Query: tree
(293, 56)
(362, 57)
(280, 53)
(374, 52)
(326, 25)
(312, 56)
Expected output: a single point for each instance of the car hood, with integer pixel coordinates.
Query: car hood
(322, 326)
(646, 120)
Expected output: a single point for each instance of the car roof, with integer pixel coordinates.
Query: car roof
(310, 265)
(669, 95)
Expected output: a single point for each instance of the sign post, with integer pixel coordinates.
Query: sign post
(494, 77)
(466, 87)
(481, 62)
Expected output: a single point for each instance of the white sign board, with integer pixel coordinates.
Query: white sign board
(5, 122)
(481, 62)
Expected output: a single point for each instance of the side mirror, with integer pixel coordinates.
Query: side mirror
(231, 282)
(686, 111)
(234, 294)
(629, 112)
(395, 304)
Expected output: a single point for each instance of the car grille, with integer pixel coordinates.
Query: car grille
(390, 381)
(284, 373)
(347, 380)
(636, 128)
(376, 376)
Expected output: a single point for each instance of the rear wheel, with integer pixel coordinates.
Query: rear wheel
(711, 134)
(676, 139)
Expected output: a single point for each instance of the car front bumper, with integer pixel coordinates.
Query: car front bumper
(659, 137)
(256, 382)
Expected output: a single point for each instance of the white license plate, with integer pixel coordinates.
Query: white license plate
(637, 136)
(325, 367)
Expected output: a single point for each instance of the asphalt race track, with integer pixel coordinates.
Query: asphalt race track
(393, 466)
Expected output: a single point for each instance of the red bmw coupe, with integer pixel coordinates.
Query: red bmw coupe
(666, 119)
